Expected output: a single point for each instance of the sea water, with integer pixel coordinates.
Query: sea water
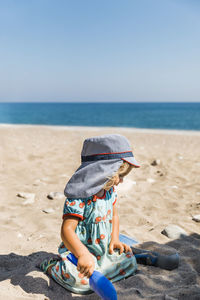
(182, 116)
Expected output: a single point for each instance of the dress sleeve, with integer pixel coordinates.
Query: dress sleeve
(74, 207)
(114, 196)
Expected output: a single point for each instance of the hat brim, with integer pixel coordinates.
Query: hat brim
(132, 161)
(90, 177)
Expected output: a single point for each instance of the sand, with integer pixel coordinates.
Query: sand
(41, 159)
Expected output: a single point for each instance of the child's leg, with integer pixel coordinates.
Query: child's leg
(146, 257)
(57, 270)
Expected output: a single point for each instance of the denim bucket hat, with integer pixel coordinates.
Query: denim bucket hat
(101, 157)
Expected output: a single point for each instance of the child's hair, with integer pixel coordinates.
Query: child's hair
(123, 170)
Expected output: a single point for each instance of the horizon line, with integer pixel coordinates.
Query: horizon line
(98, 102)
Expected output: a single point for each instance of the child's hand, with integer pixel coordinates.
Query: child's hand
(116, 244)
(86, 264)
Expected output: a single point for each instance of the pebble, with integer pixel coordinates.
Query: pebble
(156, 162)
(174, 187)
(19, 235)
(38, 182)
(48, 210)
(173, 231)
(150, 180)
(160, 173)
(28, 201)
(30, 198)
(55, 195)
(196, 218)
(26, 195)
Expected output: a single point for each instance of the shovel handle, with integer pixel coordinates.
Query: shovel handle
(72, 258)
(98, 282)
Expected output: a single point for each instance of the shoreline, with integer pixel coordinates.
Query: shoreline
(93, 128)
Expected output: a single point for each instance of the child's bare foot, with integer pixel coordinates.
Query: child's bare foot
(47, 265)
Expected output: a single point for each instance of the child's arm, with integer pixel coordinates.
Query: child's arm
(115, 242)
(71, 241)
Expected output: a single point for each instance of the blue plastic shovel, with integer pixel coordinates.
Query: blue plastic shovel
(98, 282)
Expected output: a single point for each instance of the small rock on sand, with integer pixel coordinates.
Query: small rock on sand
(173, 231)
(38, 182)
(26, 195)
(28, 201)
(196, 218)
(30, 198)
(55, 195)
(156, 162)
(174, 187)
(48, 210)
(150, 180)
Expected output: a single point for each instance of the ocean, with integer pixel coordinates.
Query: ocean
(179, 116)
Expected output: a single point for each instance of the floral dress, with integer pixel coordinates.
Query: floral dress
(94, 231)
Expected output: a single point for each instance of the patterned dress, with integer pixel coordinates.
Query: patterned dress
(94, 231)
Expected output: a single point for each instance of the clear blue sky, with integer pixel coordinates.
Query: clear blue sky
(100, 50)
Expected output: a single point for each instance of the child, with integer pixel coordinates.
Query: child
(90, 228)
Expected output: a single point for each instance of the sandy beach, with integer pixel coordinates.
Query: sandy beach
(41, 159)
